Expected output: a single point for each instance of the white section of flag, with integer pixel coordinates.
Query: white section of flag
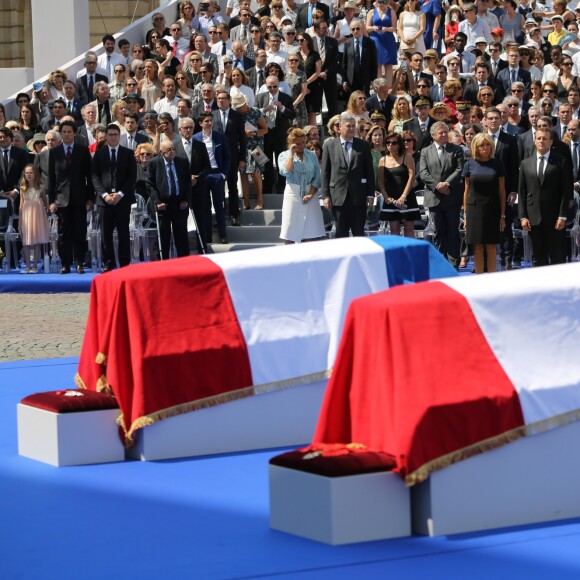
(531, 320)
(291, 301)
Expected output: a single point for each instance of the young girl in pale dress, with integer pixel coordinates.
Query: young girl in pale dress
(33, 218)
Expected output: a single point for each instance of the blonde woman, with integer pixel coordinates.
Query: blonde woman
(150, 86)
(484, 201)
(401, 114)
(356, 106)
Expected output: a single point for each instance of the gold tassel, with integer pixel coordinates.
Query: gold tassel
(79, 382)
(101, 358)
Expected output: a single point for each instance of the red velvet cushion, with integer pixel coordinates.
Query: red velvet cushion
(71, 401)
(336, 460)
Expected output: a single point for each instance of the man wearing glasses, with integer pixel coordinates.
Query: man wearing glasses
(117, 86)
(473, 26)
(114, 173)
(170, 186)
(519, 91)
(240, 60)
(179, 44)
(242, 30)
(223, 46)
(278, 109)
(327, 48)
(359, 60)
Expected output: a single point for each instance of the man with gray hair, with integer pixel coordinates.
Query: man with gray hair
(53, 139)
(473, 26)
(274, 53)
(359, 60)
(381, 101)
(441, 171)
(348, 180)
(89, 76)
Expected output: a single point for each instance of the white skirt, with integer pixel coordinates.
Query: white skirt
(300, 221)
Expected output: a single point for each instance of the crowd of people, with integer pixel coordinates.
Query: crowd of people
(476, 105)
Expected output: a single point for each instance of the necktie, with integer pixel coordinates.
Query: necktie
(416, 78)
(113, 170)
(109, 71)
(310, 9)
(223, 47)
(460, 54)
(575, 159)
(423, 128)
(271, 120)
(238, 63)
(244, 36)
(207, 109)
(5, 161)
(541, 169)
(224, 120)
(347, 152)
(172, 183)
(494, 67)
(513, 75)
(356, 55)
(130, 141)
(69, 107)
(68, 154)
(322, 50)
(187, 147)
(440, 153)
(260, 80)
(564, 130)
(90, 86)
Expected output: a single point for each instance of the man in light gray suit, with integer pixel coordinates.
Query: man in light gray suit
(441, 168)
(348, 178)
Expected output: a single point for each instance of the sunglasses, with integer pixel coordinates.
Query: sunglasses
(548, 90)
(392, 142)
(408, 140)
(293, 60)
(255, 31)
(176, 30)
(517, 90)
(213, 31)
(486, 94)
(300, 40)
(422, 86)
(567, 64)
(355, 28)
(291, 33)
(228, 62)
(195, 60)
(513, 105)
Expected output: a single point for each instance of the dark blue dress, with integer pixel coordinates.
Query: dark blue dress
(483, 207)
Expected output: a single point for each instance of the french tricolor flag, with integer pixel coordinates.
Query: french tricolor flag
(435, 372)
(174, 336)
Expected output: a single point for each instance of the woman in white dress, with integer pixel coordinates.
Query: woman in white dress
(238, 87)
(411, 27)
(301, 213)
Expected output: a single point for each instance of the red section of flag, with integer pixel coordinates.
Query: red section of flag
(169, 333)
(416, 378)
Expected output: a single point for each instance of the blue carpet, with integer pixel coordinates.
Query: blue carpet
(17, 283)
(207, 518)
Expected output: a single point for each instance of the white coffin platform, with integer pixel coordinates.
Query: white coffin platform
(339, 510)
(534, 479)
(63, 439)
(282, 418)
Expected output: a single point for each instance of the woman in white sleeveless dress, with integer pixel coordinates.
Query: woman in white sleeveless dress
(410, 28)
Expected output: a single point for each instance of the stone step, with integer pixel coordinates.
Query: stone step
(266, 217)
(272, 201)
(234, 247)
(254, 234)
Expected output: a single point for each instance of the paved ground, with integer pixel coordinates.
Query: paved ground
(42, 325)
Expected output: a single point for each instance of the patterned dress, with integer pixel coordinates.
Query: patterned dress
(253, 116)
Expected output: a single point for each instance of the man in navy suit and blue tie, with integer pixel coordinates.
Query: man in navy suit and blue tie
(218, 150)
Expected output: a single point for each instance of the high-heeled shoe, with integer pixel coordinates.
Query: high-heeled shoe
(258, 206)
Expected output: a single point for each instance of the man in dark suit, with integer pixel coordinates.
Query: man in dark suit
(304, 18)
(514, 72)
(57, 108)
(73, 103)
(506, 150)
(70, 195)
(416, 69)
(169, 181)
(195, 153)
(420, 125)
(220, 160)
(12, 163)
(381, 101)
(496, 64)
(86, 82)
(279, 111)
(131, 138)
(257, 74)
(545, 190)
(327, 47)
(232, 124)
(114, 175)
(206, 105)
(441, 166)
(347, 178)
(359, 60)
(482, 79)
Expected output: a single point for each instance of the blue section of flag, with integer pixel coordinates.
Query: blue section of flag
(410, 260)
